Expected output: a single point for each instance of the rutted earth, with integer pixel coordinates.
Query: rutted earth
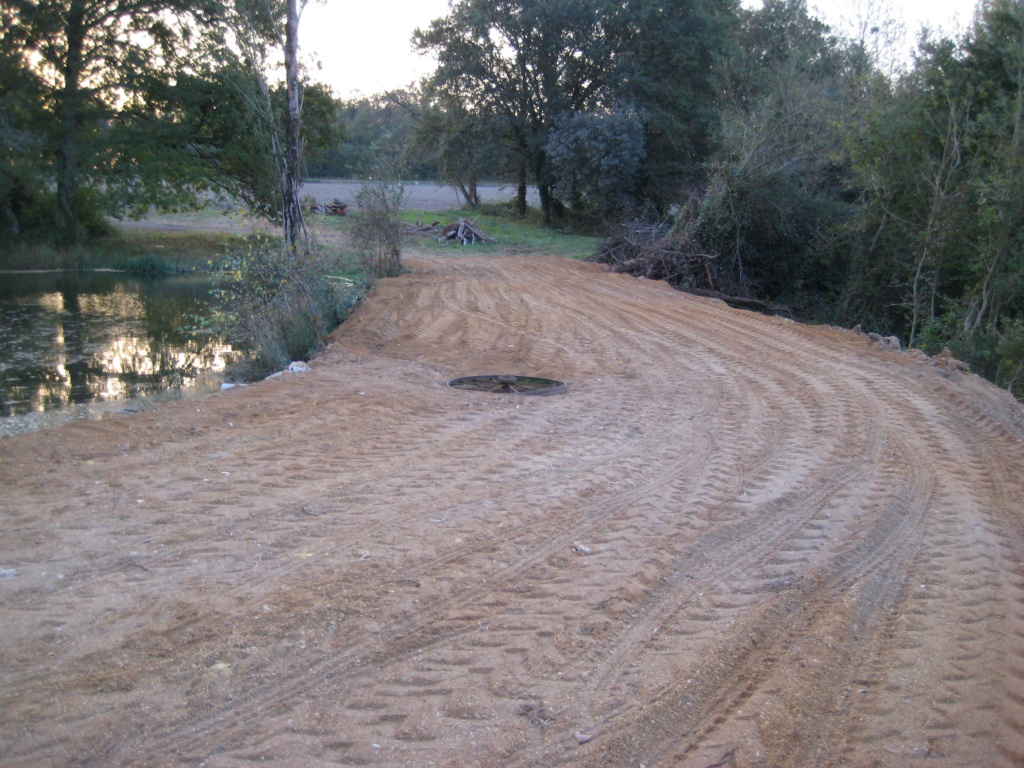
(736, 541)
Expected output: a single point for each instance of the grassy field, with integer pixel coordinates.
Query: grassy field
(511, 235)
(201, 240)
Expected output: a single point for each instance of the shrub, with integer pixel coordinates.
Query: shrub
(284, 300)
(597, 160)
(377, 226)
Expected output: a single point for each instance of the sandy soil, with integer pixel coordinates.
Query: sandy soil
(736, 541)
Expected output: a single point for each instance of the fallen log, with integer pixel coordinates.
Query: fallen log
(740, 302)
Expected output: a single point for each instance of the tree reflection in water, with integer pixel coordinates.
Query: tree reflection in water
(78, 340)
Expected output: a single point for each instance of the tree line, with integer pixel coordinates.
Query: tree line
(809, 170)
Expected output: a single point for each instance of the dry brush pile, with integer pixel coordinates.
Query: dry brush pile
(654, 250)
(658, 250)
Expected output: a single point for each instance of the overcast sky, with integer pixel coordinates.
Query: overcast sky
(364, 46)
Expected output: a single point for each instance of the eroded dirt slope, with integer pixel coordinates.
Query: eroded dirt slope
(736, 541)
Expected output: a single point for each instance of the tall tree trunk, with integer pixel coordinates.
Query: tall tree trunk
(545, 202)
(521, 189)
(68, 225)
(543, 189)
(294, 224)
(463, 192)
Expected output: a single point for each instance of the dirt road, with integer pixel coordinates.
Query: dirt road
(736, 541)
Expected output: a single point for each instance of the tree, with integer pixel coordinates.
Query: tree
(522, 62)
(597, 160)
(777, 181)
(462, 145)
(21, 121)
(260, 26)
(364, 121)
(995, 58)
(531, 64)
(667, 67)
(294, 224)
(939, 256)
(219, 128)
(94, 59)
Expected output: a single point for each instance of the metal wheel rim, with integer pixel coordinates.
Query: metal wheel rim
(509, 385)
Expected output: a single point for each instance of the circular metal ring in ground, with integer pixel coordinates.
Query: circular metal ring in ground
(517, 385)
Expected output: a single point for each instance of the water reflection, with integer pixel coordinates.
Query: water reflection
(76, 342)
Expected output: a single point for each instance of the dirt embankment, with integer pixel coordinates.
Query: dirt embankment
(736, 541)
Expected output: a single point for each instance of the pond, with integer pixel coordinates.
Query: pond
(83, 345)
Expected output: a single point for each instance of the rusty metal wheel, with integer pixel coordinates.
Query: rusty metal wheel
(505, 384)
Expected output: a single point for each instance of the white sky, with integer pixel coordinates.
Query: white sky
(365, 46)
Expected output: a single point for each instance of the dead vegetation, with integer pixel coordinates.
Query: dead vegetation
(334, 208)
(462, 231)
(656, 250)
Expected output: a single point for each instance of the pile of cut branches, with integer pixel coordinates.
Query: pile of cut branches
(337, 208)
(657, 251)
(462, 231)
(653, 250)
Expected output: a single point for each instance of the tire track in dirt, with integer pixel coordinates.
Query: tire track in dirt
(735, 539)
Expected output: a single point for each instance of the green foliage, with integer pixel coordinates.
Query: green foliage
(364, 122)
(223, 132)
(779, 40)
(667, 64)
(33, 209)
(464, 146)
(21, 121)
(530, 65)
(377, 228)
(284, 300)
(777, 187)
(114, 107)
(596, 159)
(90, 61)
(938, 256)
(1010, 352)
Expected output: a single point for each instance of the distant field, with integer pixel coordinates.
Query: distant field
(419, 195)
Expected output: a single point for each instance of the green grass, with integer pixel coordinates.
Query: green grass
(166, 251)
(180, 242)
(512, 236)
(188, 244)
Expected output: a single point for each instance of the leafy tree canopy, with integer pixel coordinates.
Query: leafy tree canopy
(532, 63)
(127, 104)
(92, 61)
